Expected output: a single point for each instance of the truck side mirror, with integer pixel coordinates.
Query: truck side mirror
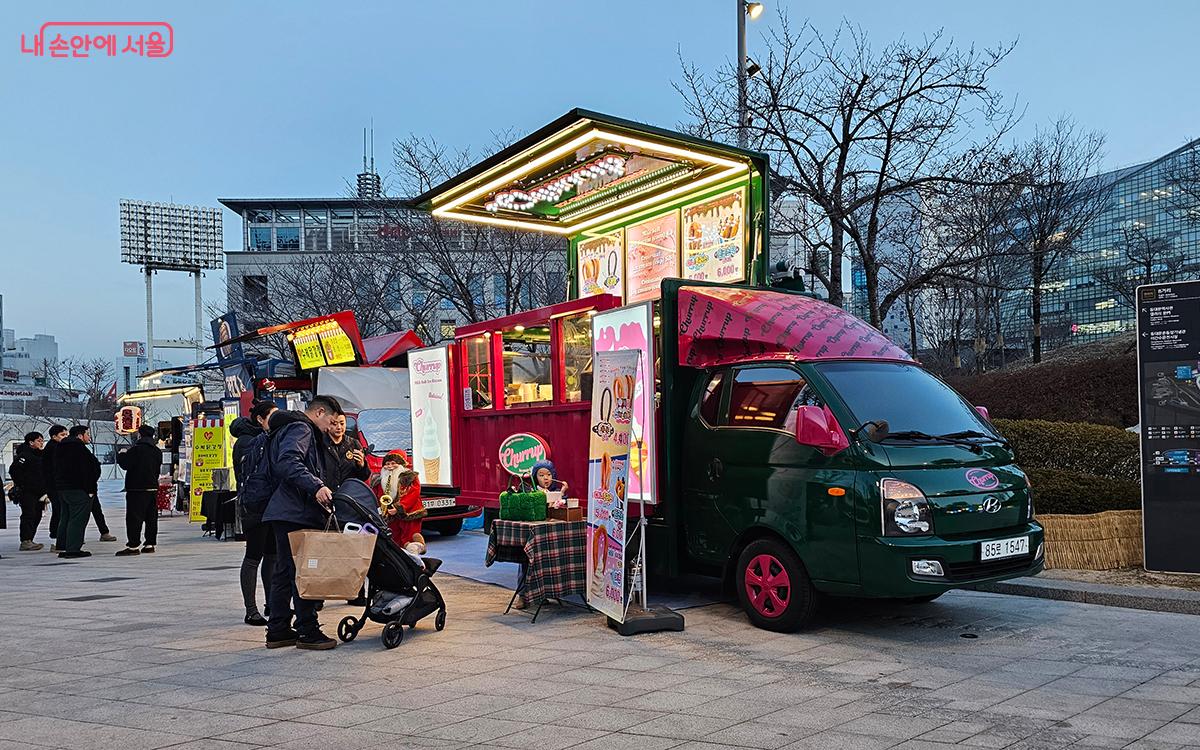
(983, 412)
(816, 427)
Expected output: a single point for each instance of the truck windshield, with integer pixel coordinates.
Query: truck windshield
(912, 401)
(386, 429)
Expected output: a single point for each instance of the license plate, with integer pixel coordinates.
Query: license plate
(1001, 548)
(437, 502)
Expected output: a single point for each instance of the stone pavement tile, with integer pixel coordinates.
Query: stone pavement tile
(285, 708)
(1112, 726)
(1043, 666)
(379, 716)
(24, 677)
(839, 740)
(1144, 744)
(1110, 672)
(626, 741)
(212, 744)
(974, 696)
(1177, 732)
(759, 734)
(886, 725)
(990, 739)
(659, 700)
(1191, 717)
(547, 737)
(359, 738)
(1100, 741)
(1091, 686)
(1015, 679)
(604, 718)
(1141, 709)
(698, 668)
(815, 718)
(732, 708)
(717, 687)
(1047, 704)
(187, 721)
(477, 730)
(543, 711)
(479, 704)
(691, 728)
(78, 734)
(1170, 693)
(955, 731)
(785, 694)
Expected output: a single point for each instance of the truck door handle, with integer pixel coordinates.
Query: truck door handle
(715, 467)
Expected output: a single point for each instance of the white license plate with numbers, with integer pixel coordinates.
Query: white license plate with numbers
(1001, 548)
(437, 502)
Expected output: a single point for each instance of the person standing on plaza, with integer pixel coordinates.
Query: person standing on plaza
(251, 435)
(347, 458)
(29, 486)
(302, 500)
(58, 433)
(142, 463)
(76, 473)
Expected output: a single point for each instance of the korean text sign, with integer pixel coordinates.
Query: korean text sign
(608, 480)
(631, 328)
(208, 453)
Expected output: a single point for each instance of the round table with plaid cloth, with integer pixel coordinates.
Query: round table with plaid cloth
(552, 555)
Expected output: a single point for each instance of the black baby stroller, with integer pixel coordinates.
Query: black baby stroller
(400, 591)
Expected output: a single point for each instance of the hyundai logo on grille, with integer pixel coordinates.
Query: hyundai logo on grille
(991, 504)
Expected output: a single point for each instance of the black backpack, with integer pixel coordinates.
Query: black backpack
(258, 481)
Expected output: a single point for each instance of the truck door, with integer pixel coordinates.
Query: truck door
(744, 468)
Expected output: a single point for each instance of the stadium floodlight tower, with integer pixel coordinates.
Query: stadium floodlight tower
(170, 237)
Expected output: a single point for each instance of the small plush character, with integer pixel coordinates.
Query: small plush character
(399, 492)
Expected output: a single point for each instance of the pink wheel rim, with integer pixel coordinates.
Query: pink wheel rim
(768, 586)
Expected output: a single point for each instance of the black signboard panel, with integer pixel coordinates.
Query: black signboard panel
(1168, 333)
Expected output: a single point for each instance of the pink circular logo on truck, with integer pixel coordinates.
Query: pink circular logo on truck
(982, 479)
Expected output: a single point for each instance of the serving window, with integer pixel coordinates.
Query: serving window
(528, 366)
(577, 357)
(478, 363)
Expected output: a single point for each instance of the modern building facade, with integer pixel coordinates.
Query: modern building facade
(26, 359)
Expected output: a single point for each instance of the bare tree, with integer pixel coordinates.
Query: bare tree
(1062, 193)
(862, 135)
(1145, 259)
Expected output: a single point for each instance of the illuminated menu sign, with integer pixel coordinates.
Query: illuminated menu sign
(652, 248)
(321, 344)
(600, 265)
(714, 238)
(1168, 335)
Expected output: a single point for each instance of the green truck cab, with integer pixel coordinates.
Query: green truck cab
(795, 471)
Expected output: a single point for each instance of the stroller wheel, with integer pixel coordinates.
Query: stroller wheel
(440, 621)
(393, 634)
(347, 629)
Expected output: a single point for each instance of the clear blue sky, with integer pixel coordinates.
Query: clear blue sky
(269, 99)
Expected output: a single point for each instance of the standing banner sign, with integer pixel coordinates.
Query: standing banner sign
(1168, 335)
(631, 328)
(429, 398)
(608, 480)
(208, 452)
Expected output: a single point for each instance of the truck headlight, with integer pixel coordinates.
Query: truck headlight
(906, 510)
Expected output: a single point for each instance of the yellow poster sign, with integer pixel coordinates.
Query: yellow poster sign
(210, 450)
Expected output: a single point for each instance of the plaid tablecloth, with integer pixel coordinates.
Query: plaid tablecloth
(553, 553)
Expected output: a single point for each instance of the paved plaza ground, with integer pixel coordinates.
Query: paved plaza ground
(150, 652)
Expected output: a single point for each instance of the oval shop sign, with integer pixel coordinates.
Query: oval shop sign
(983, 479)
(520, 451)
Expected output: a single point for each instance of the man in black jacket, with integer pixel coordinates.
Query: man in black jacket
(58, 433)
(347, 458)
(302, 500)
(76, 472)
(142, 463)
(30, 484)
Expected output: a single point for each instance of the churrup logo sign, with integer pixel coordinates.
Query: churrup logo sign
(86, 39)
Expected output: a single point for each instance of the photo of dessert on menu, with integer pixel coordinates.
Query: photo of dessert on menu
(714, 244)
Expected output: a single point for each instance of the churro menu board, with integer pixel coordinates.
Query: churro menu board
(1168, 336)
(601, 265)
(608, 480)
(714, 238)
(651, 255)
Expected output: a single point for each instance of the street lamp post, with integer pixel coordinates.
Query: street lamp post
(753, 10)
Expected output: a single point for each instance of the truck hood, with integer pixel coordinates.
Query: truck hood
(970, 492)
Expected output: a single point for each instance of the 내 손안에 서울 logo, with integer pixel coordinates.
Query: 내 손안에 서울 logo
(86, 39)
(982, 479)
(520, 451)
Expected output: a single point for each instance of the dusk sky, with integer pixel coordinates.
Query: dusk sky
(270, 98)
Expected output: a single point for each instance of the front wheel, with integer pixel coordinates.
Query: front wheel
(348, 629)
(393, 634)
(774, 588)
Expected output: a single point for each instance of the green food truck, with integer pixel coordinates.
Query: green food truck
(789, 448)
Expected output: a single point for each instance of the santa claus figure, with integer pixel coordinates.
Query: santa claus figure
(399, 493)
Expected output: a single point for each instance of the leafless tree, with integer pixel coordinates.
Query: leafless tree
(1062, 193)
(864, 135)
(1145, 259)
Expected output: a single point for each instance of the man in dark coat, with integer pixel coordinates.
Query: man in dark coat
(58, 433)
(347, 458)
(142, 463)
(76, 473)
(30, 485)
(302, 500)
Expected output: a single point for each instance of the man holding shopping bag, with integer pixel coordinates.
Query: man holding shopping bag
(302, 500)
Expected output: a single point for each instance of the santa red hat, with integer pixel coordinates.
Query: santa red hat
(397, 455)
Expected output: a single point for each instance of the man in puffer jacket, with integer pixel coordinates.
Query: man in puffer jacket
(29, 481)
(260, 542)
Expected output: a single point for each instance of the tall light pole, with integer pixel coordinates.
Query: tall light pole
(753, 10)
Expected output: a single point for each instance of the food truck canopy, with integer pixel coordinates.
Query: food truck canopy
(721, 325)
(379, 349)
(583, 170)
(316, 342)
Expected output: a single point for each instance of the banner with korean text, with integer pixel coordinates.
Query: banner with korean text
(608, 480)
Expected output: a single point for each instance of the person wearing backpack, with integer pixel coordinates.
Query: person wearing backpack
(248, 451)
(302, 499)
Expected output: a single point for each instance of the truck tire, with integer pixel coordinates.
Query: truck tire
(773, 587)
(445, 528)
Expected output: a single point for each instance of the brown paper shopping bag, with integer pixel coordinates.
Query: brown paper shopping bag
(330, 564)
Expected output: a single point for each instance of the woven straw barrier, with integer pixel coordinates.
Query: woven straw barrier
(1099, 541)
